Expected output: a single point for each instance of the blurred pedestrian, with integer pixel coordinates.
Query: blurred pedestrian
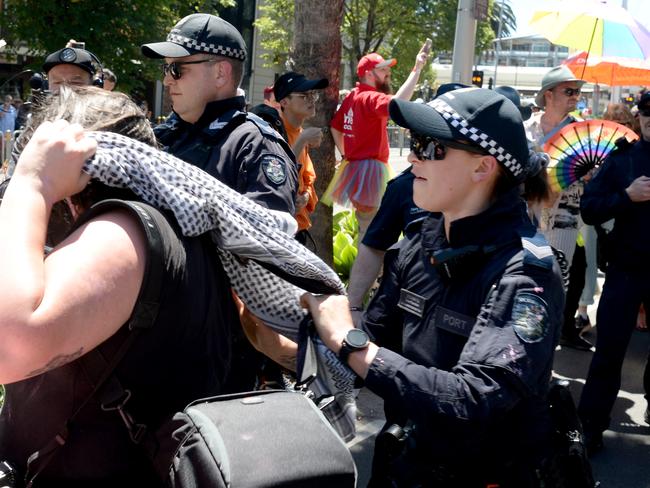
(359, 132)
(297, 97)
(620, 190)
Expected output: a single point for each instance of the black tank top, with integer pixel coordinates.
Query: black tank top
(182, 357)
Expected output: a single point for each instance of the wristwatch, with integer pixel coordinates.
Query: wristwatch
(355, 340)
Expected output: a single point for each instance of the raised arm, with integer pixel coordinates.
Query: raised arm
(54, 310)
(405, 91)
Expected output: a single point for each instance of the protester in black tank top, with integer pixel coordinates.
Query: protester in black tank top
(56, 308)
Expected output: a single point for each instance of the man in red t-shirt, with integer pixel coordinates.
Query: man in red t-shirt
(359, 132)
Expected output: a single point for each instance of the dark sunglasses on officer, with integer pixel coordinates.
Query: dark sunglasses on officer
(430, 148)
(174, 69)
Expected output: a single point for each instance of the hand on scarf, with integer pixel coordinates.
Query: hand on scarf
(267, 341)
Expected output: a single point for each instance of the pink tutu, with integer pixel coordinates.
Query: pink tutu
(360, 183)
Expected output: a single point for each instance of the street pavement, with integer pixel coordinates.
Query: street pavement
(623, 463)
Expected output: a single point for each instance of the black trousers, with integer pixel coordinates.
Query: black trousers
(623, 293)
(576, 285)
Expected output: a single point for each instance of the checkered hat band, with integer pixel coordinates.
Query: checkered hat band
(482, 139)
(229, 52)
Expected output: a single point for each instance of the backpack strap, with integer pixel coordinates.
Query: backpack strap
(98, 369)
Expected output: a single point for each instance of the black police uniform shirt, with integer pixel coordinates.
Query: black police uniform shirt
(239, 149)
(396, 211)
(468, 357)
(605, 198)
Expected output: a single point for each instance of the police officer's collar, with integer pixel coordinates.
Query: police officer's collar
(501, 222)
(213, 110)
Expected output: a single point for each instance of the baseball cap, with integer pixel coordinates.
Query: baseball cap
(475, 115)
(447, 87)
(554, 77)
(199, 33)
(293, 82)
(513, 95)
(644, 101)
(372, 61)
(71, 55)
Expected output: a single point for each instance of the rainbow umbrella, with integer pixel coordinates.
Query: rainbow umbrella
(579, 147)
(609, 70)
(598, 27)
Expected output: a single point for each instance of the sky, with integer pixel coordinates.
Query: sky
(524, 9)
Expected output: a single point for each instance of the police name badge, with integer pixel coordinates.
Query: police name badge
(411, 302)
(529, 317)
(274, 169)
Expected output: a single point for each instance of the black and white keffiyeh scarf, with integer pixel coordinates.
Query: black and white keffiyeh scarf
(268, 269)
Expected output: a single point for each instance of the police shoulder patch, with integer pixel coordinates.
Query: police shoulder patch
(274, 169)
(529, 317)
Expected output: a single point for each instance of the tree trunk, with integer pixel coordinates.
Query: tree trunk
(317, 54)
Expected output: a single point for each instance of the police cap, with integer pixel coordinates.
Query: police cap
(477, 116)
(199, 33)
(71, 55)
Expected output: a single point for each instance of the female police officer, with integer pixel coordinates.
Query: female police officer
(469, 309)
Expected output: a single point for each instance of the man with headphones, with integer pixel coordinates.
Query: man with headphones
(72, 66)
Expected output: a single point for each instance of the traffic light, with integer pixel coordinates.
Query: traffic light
(477, 78)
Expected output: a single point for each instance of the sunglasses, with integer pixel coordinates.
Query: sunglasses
(569, 92)
(431, 149)
(307, 96)
(174, 69)
(645, 112)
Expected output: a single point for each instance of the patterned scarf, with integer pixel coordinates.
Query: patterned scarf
(268, 269)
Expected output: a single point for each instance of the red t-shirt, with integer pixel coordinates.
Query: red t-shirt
(362, 118)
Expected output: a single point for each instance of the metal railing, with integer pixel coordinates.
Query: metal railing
(398, 137)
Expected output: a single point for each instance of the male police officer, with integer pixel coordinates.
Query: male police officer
(620, 190)
(204, 64)
(71, 66)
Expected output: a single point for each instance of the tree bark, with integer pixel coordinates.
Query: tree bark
(317, 54)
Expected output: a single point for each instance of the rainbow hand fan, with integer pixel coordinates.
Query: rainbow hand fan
(581, 146)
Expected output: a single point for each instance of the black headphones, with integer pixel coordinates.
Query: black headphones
(98, 80)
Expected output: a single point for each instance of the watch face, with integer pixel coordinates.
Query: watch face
(357, 338)
(68, 55)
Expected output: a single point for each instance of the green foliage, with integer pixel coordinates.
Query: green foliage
(345, 230)
(113, 31)
(394, 29)
(507, 19)
(276, 28)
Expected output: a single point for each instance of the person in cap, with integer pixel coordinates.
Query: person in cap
(460, 337)
(70, 66)
(203, 68)
(560, 218)
(359, 132)
(397, 214)
(619, 190)
(297, 97)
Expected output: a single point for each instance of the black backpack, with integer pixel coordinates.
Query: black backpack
(256, 439)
